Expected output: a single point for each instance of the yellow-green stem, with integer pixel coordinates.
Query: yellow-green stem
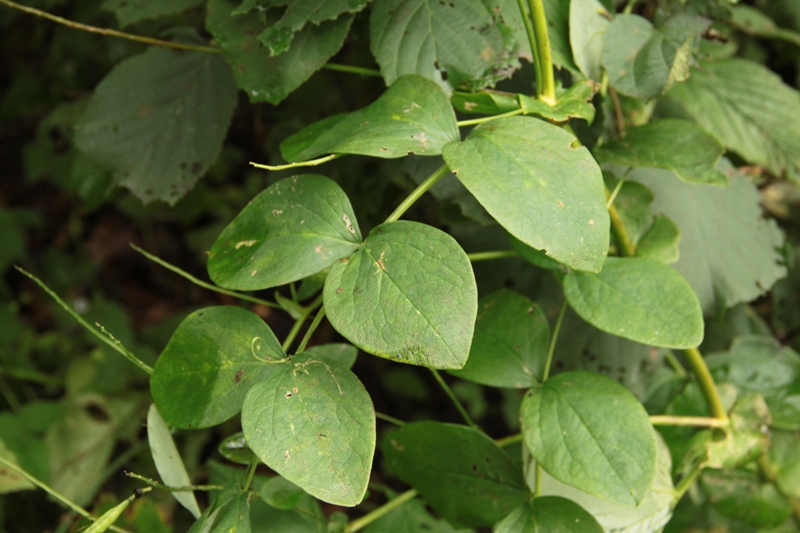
(417, 193)
(390, 419)
(311, 329)
(527, 23)
(353, 70)
(485, 256)
(692, 421)
(463, 412)
(553, 339)
(476, 121)
(706, 383)
(299, 164)
(364, 521)
(624, 243)
(547, 90)
(298, 324)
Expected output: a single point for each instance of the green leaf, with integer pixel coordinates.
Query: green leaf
(549, 513)
(278, 37)
(633, 205)
(213, 358)
(589, 432)
(557, 14)
(344, 354)
(742, 496)
(784, 456)
(744, 105)
(538, 186)
(234, 517)
(293, 229)
(413, 117)
(265, 78)
(234, 448)
(484, 102)
(661, 242)
(727, 249)
(408, 295)
(752, 21)
(572, 103)
(109, 517)
(456, 41)
(157, 120)
(313, 422)
(509, 347)
(745, 440)
(460, 472)
(678, 145)
(639, 299)
(411, 517)
(11, 480)
(168, 461)
(130, 11)
(281, 493)
(588, 21)
(532, 255)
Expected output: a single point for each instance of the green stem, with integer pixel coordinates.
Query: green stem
(309, 163)
(417, 193)
(706, 383)
(454, 399)
(547, 90)
(686, 483)
(617, 188)
(526, 21)
(485, 256)
(624, 243)
(553, 338)
(508, 441)
(360, 523)
(629, 6)
(353, 70)
(675, 364)
(475, 121)
(390, 419)
(314, 325)
(690, 421)
(202, 283)
(160, 486)
(299, 323)
(251, 473)
(114, 344)
(109, 32)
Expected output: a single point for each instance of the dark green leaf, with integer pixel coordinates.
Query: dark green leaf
(158, 120)
(235, 449)
(572, 103)
(639, 299)
(411, 517)
(408, 295)
(588, 21)
(130, 11)
(661, 241)
(344, 354)
(589, 432)
(413, 116)
(281, 493)
(742, 496)
(541, 188)
(296, 227)
(213, 358)
(234, 517)
(549, 514)
(510, 342)
(313, 422)
(784, 456)
(459, 471)
(754, 22)
(484, 102)
(265, 78)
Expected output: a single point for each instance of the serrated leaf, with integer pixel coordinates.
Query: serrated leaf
(157, 120)
(313, 422)
(661, 241)
(588, 21)
(510, 343)
(293, 229)
(688, 150)
(589, 432)
(461, 473)
(727, 249)
(168, 461)
(412, 116)
(540, 188)
(344, 354)
(408, 295)
(549, 513)
(456, 41)
(640, 299)
(213, 358)
(572, 103)
(262, 77)
(130, 11)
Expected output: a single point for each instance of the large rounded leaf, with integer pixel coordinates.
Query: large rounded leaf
(589, 432)
(640, 299)
(408, 295)
(295, 228)
(211, 361)
(547, 514)
(546, 192)
(312, 421)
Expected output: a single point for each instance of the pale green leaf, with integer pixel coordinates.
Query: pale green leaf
(293, 229)
(755, 22)
(784, 455)
(157, 120)
(11, 480)
(541, 188)
(575, 102)
(312, 421)
(588, 21)
(408, 295)
(589, 432)
(109, 517)
(213, 358)
(549, 514)
(130, 11)
(661, 241)
(745, 439)
(413, 116)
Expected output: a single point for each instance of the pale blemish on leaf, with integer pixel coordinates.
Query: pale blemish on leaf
(348, 224)
(276, 212)
(245, 243)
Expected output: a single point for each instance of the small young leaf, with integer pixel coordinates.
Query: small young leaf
(213, 358)
(549, 513)
(589, 432)
(168, 461)
(408, 295)
(661, 241)
(572, 103)
(639, 299)
(109, 517)
(294, 228)
(413, 116)
(312, 421)
(510, 342)
(235, 449)
(538, 186)
(460, 472)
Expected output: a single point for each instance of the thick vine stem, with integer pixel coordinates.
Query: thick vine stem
(547, 90)
(624, 243)
(485, 256)
(707, 384)
(692, 421)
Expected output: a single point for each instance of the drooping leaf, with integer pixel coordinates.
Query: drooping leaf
(744, 105)
(157, 120)
(549, 513)
(457, 41)
(293, 229)
(661, 242)
(168, 461)
(588, 21)
(265, 78)
(727, 250)
(312, 421)
(742, 496)
(408, 295)
(130, 11)
(213, 358)
(461, 473)
(678, 145)
(572, 103)
(342, 353)
(640, 299)
(412, 116)
(509, 347)
(589, 432)
(538, 186)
